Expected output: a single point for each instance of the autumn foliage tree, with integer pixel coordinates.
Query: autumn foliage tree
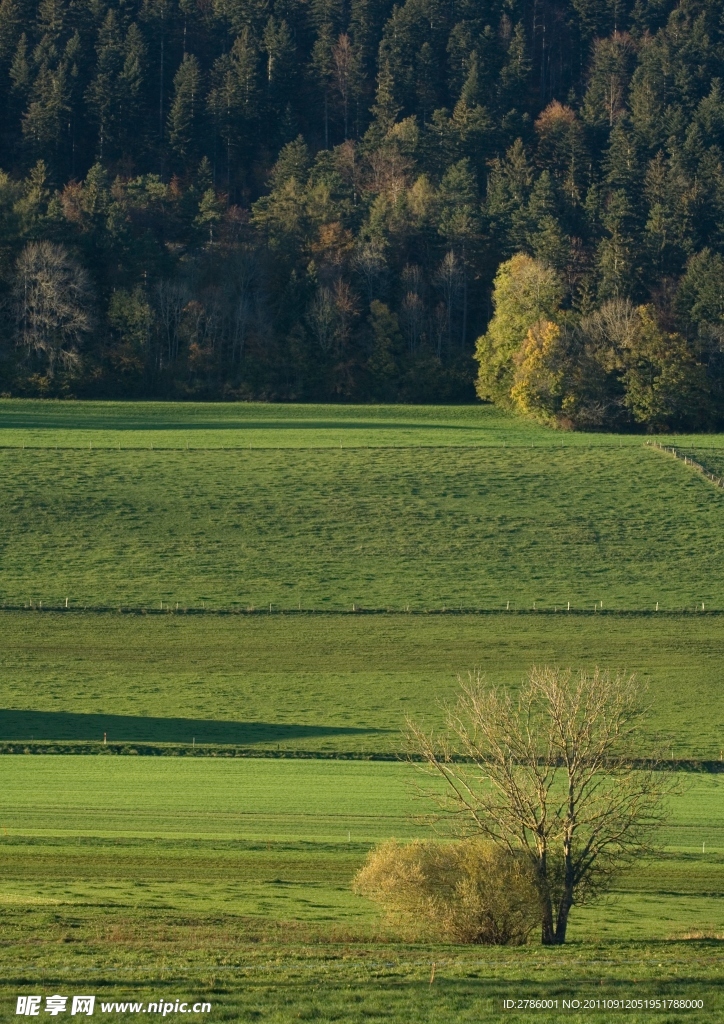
(525, 291)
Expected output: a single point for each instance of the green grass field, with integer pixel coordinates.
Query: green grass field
(376, 528)
(329, 682)
(232, 880)
(167, 425)
(164, 525)
(49, 424)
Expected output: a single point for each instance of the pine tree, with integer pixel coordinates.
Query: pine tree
(516, 70)
(245, 59)
(32, 207)
(102, 93)
(10, 29)
(131, 84)
(50, 24)
(385, 108)
(550, 244)
(280, 63)
(322, 70)
(622, 163)
(611, 69)
(157, 14)
(20, 67)
(44, 120)
(225, 102)
(425, 76)
(562, 149)
(506, 205)
(458, 205)
(211, 209)
(346, 75)
(616, 256)
(233, 99)
(185, 110)
(472, 124)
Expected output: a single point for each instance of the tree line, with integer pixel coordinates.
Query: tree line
(327, 200)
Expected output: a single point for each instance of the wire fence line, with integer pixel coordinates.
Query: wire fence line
(452, 609)
(688, 461)
(331, 446)
(176, 608)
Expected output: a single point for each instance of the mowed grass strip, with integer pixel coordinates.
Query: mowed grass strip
(101, 424)
(330, 682)
(424, 529)
(255, 799)
(177, 425)
(262, 799)
(280, 841)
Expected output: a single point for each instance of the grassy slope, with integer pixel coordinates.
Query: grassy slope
(338, 682)
(331, 529)
(490, 510)
(206, 877)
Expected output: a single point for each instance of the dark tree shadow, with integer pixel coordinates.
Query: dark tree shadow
(63, 725)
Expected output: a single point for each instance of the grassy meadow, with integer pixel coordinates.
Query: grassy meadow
(232, 880)
(330, 682)
(468, 526)
(398, 548)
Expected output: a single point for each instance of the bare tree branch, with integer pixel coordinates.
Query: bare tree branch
(553, 773)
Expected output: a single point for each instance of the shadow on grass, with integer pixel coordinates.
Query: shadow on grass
(62, 725)
(150, 426)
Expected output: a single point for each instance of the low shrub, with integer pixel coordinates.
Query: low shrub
(468, 891)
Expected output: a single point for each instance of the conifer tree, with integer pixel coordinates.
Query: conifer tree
(185, 112)
(102, 94)
(10, 30)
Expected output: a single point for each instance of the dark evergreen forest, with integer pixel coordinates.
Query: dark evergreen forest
(338, 199)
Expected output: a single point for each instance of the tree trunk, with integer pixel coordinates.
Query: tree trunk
(564, 909)
(160, 87)
(464, 332)
(552, 933)
(548, 934)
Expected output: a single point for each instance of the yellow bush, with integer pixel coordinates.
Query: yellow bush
(466, 891)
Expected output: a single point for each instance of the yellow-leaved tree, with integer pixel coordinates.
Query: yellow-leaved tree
(539, 379)
(525, 291)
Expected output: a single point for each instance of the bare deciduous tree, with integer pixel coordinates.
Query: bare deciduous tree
(412, 309)
(344, 66)
(553, 773)
(449, 279)
(322, 318)
(243, 299)
(172, 297)
(412, 318)
(611, 330)
(370, 261)
(52, 304)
